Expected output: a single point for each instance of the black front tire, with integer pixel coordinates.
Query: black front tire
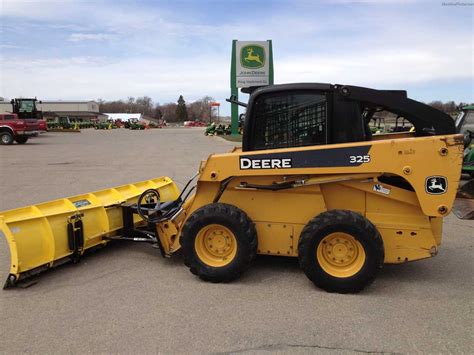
(21, 139)
(235, 220)
(348, 223)
(6, 138)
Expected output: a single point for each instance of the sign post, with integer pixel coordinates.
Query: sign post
(211, 106)
(252, 65)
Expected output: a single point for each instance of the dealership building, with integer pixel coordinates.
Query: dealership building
(79, 111)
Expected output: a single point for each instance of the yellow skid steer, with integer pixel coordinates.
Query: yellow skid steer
(310, 181)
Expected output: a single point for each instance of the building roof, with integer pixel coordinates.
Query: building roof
(73, 113)
(124, 116)
(56, 101)
(66, 101)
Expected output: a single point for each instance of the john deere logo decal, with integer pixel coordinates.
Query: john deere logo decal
(252, 56)
(436, 185)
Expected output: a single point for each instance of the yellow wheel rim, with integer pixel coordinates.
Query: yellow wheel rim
(215, 245)
(340, 255)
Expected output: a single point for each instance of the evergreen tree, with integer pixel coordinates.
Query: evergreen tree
(181, 112)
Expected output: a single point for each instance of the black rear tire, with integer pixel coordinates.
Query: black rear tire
(6, 138)
(231, 219)
(357, 228)
(21, 139)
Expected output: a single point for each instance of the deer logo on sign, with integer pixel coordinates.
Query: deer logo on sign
(252, 56)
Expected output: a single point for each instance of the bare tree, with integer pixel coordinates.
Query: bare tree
(169, 112)
(200, 109)
(448, 107)
(144, 105)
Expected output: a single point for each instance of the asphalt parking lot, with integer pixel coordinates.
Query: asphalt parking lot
(127, 299)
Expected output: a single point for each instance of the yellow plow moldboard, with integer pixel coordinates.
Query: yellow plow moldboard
(47, 234)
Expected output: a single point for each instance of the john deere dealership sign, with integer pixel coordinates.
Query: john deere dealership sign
(253, 63)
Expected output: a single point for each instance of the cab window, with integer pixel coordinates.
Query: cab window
(283, 120)
(26, 105)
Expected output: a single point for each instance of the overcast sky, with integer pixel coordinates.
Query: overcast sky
(114, 49)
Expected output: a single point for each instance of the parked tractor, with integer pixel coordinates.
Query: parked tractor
(22, 123)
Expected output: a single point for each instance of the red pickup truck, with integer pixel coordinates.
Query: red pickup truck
(15, 129)
(43, 126)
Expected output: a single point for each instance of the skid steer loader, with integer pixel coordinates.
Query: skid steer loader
(310, 181)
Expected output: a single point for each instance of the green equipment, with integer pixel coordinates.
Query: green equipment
(465, 126)
(210, 129)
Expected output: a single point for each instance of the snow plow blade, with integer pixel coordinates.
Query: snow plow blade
(48, 234)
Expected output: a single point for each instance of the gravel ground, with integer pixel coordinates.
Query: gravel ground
(127, 299)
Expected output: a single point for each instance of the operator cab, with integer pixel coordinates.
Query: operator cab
(307, 114)
(26, 109)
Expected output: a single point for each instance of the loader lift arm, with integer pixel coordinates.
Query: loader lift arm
(426, 119)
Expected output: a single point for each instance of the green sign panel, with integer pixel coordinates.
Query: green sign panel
(252, 56)
(252, 65)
